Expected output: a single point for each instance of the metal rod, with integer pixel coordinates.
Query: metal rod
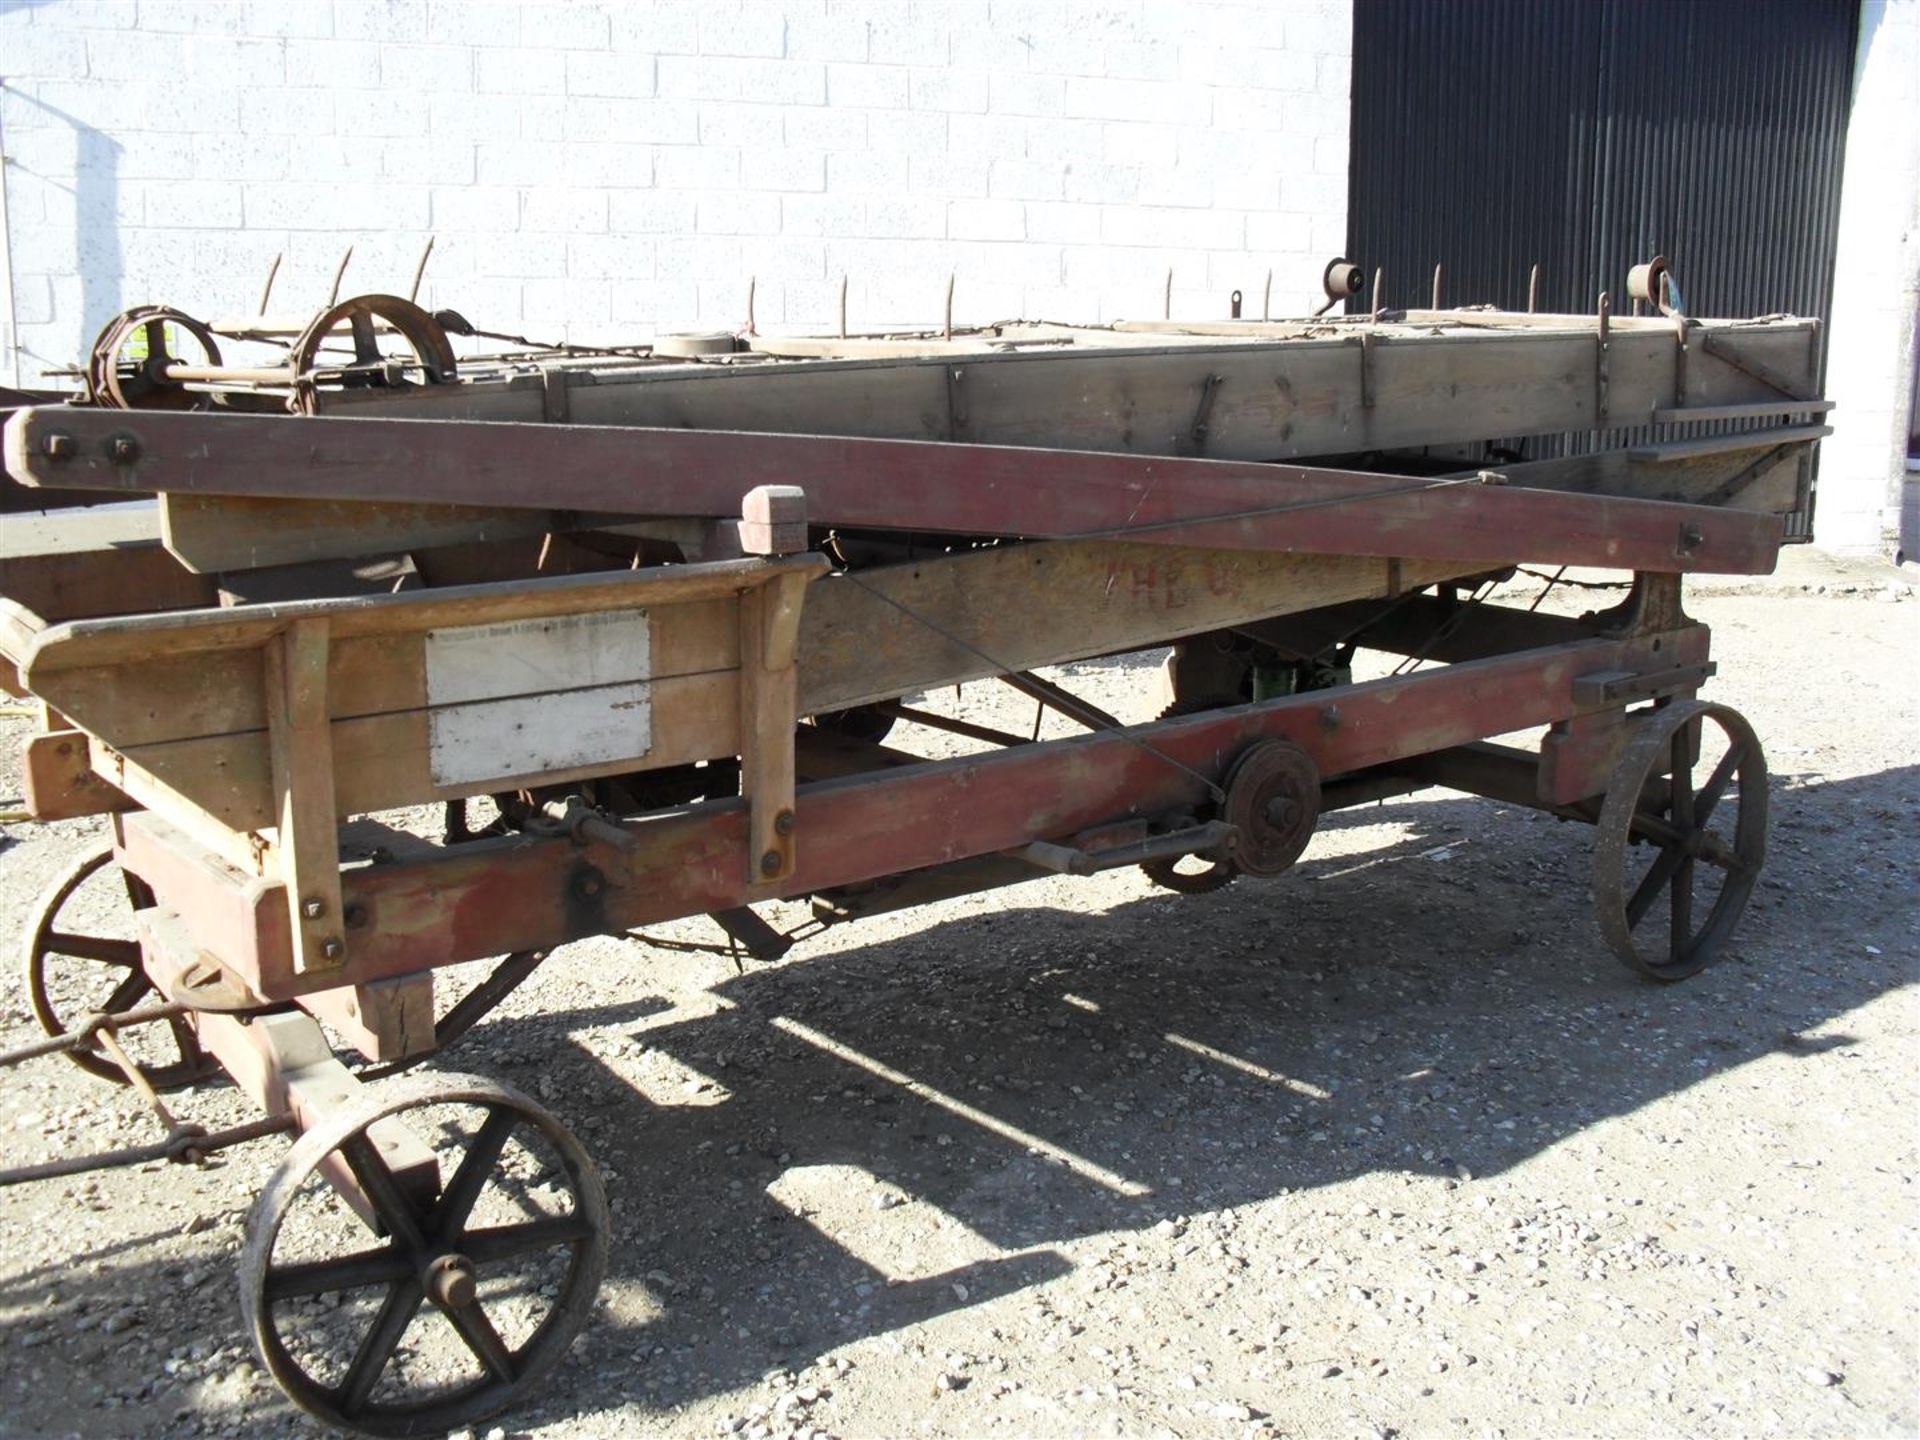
(181, 1146)
(339, 274)
(949, 724)
(1052, 696)
(1266, 298)
(419, 271)
(753, 284)
(82, 1038)
(1436, 288)
(843, 307)
(947, 330)
(1379, 290)
(266, 290)
(1166, 300)
(1533, 289)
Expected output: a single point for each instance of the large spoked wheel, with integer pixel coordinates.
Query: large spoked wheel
(500, 1239)
(1686, 856)
(80, 957)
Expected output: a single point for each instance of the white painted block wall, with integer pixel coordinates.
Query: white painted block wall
(605, 169)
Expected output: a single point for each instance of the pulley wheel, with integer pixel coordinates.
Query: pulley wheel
(121, 378)
(1273, 799)
(477, 1261)
(360, 317)
(1674, 862)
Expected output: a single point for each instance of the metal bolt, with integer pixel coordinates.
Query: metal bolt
(1691, 537)
(783, 823)
(1282, 812)
(332, 949)
(124, 449)
(589, 883)
(313, 907)
(355, 915)
(1330, 717)
(59, 446)
(770, 863)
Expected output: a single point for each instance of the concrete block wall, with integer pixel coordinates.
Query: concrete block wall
(605, 169)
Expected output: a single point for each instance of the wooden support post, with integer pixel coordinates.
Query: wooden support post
(773, 520)
(769, 714)
(383, 1019)
(300, 742)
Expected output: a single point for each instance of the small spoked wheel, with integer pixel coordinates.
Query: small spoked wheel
(81, 957)
(1674, 862)
(489, 1235)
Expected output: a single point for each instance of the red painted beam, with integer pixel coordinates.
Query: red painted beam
(881, 484)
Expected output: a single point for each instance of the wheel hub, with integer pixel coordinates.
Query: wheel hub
(449, 1280)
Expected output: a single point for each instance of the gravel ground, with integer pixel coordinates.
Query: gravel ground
(1389, 1146)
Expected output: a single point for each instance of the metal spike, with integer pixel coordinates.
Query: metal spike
(420, 270)
(339, 274)
(266, 290)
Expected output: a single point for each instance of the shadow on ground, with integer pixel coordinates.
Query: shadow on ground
(1038, 1075)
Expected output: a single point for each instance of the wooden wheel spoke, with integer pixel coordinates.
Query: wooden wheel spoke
(389, 1201)
(370, 1360)
(477, 1330)
(504, 1242)
(457, 1203)
(98, 948)
(384, 1266)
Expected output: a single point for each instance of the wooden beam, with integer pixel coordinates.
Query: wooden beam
(306, 849)
(965, 489)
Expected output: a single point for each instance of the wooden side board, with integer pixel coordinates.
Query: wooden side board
(1442, 379)
(192, 719)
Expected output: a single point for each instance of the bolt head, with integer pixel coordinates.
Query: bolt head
(124, 449)
(332, 949)
(770, 863)
(783, 823)
(59, 446)
(313, 907)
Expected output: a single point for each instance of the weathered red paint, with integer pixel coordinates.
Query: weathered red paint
(489, 898)
(898, 484)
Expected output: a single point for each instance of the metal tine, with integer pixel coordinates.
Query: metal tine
(339, 274)
(273, 270)
(420, 270)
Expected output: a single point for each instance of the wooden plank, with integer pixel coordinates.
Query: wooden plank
(212, 533)
(965, 489)
(1699, 480)
(384, 761)
(768, 690)
(58, 780)
(132, 579)
(305, 808)
(383, 1019)
(884, 633)
(222, 691)
(108, 642)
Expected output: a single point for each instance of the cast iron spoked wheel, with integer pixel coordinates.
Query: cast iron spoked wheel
(80, 957)
(1705, 845)
(480, 1269)
(122, 381)
(362, 318)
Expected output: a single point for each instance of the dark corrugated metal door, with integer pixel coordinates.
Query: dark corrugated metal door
(1587, 135)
